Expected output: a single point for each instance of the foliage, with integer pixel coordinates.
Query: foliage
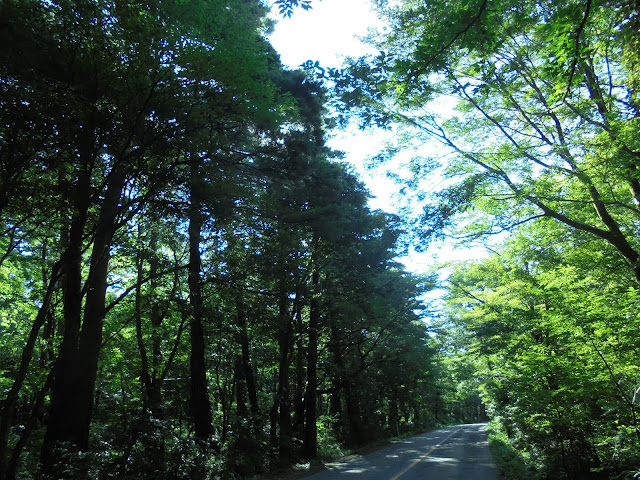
(507, 459)
(286, 7)
(175, 229)
(559, 372)
(538, 95)
(328, 445)
(533, 110)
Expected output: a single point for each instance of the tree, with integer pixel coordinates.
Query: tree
(536, 146)
(181, 249)
(550, 330)
(544, 115)
(123, 111)
(286, 7)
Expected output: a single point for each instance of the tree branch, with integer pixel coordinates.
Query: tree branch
(576, 54)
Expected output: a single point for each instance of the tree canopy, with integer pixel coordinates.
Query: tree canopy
(191, 282)
(530, 110)
(193, 285)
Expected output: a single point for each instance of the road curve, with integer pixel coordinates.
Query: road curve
(452, 453)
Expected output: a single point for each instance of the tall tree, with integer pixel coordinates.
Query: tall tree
(162, 173)
(536, 138)
(199, 406)
(550, 330)
(133, 84)
(544, 120)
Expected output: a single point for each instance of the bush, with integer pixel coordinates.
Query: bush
(328, 445)
(510, 462)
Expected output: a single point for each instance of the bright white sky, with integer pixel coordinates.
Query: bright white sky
(326, 33)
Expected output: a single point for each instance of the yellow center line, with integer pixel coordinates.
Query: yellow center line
(423, 456)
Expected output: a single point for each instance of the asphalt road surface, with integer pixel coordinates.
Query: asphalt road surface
(453, 453)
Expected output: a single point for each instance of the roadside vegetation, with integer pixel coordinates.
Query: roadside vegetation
(192, 284)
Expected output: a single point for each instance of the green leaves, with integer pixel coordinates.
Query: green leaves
(286, 7)
(539, 94)
(555, 332)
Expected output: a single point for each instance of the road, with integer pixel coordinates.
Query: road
(453, 453)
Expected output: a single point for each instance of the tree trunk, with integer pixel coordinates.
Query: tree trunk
(77, 365)
(144, 361)
(310, 439)
(71, 262)
(335, 402)
(240, 388)
(151, 373)
(200, 406)
(298, 394)
(249, 377)
(354, 417)
(90, 340)
(156, 317)
(151, 384)
(9, 404)
(283, 395)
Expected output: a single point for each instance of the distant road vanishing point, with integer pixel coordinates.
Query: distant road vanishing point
(460, 452)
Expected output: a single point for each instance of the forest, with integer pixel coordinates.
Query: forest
(193, 285)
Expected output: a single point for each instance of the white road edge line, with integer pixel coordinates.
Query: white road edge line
(424, 456)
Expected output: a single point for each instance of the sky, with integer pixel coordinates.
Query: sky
(326, 33)
(329, 33)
